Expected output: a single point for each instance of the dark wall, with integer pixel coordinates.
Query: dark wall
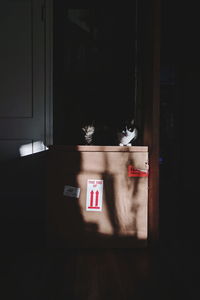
(180, 95)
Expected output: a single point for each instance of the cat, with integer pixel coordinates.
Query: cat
(105, 135)
(128, 133)
(98, 134)
(88, 131)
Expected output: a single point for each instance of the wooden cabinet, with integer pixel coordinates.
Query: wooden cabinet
(122, 222)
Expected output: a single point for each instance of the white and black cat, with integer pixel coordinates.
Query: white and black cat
(99, 134)
(128, 133)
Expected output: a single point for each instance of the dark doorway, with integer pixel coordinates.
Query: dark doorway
(94, 68)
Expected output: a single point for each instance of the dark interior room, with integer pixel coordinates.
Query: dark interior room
(87, 211)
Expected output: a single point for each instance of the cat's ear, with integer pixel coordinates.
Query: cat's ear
(131, 125)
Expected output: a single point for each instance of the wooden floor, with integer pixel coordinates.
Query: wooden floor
(162, 273)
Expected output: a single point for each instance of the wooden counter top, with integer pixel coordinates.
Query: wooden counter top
(83, 148)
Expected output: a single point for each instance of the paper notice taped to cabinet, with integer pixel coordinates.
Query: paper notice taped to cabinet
(94, 199)
(71, 191)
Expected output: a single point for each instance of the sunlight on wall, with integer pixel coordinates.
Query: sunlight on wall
(31, 148)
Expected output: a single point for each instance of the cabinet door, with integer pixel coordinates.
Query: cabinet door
(22, 76)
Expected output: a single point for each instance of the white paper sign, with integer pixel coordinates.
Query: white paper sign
(71, 191)
(94, 195)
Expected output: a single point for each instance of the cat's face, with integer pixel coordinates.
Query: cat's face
(127, 133)
(88, 129)
(127, 127)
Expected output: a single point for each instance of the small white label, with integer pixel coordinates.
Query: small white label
(94, 195)
(71, 191)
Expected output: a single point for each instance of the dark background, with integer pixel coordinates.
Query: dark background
(170, 270)
(179, 97)
(94, 68)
